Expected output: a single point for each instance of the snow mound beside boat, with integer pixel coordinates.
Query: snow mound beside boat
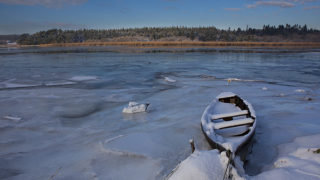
(297, 160)
(204, 165)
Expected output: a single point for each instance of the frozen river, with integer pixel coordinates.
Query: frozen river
(61, 112)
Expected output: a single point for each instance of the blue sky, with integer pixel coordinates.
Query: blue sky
(29, 16)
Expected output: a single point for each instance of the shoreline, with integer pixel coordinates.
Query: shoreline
(184, 44)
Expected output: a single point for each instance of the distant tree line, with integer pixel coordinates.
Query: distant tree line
(4, 39)
(267, 33)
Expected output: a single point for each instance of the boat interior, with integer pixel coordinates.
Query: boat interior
(236, 121)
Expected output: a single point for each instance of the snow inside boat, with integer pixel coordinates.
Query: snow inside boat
(228, 122)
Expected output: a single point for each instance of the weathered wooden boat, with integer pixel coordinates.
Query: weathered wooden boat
(229, 123)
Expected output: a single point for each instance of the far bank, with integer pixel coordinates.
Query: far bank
(176, 44)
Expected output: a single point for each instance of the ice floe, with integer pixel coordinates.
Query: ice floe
(17, 85)
(59, 83)
(167, 79)
(238, 79)
(11, 84)
(135, 107)
(13, 118)
(83, 78)
(300, 90)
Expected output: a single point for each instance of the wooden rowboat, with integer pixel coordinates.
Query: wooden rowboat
(228, 122)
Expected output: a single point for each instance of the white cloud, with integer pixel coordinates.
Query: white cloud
(303, 1)
(282, 4)
(46, 3)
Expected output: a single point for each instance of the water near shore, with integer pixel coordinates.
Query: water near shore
(61, 113)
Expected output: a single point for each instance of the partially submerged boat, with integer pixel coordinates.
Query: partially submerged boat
(228, 123)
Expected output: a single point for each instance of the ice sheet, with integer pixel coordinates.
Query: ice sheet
(78, 131)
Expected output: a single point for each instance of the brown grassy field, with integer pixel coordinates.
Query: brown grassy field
(187, 44)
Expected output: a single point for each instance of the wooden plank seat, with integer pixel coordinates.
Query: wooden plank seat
(233, 131)
(226, 115)
(233, 123)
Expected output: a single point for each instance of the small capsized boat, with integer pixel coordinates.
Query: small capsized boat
(228, 122)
